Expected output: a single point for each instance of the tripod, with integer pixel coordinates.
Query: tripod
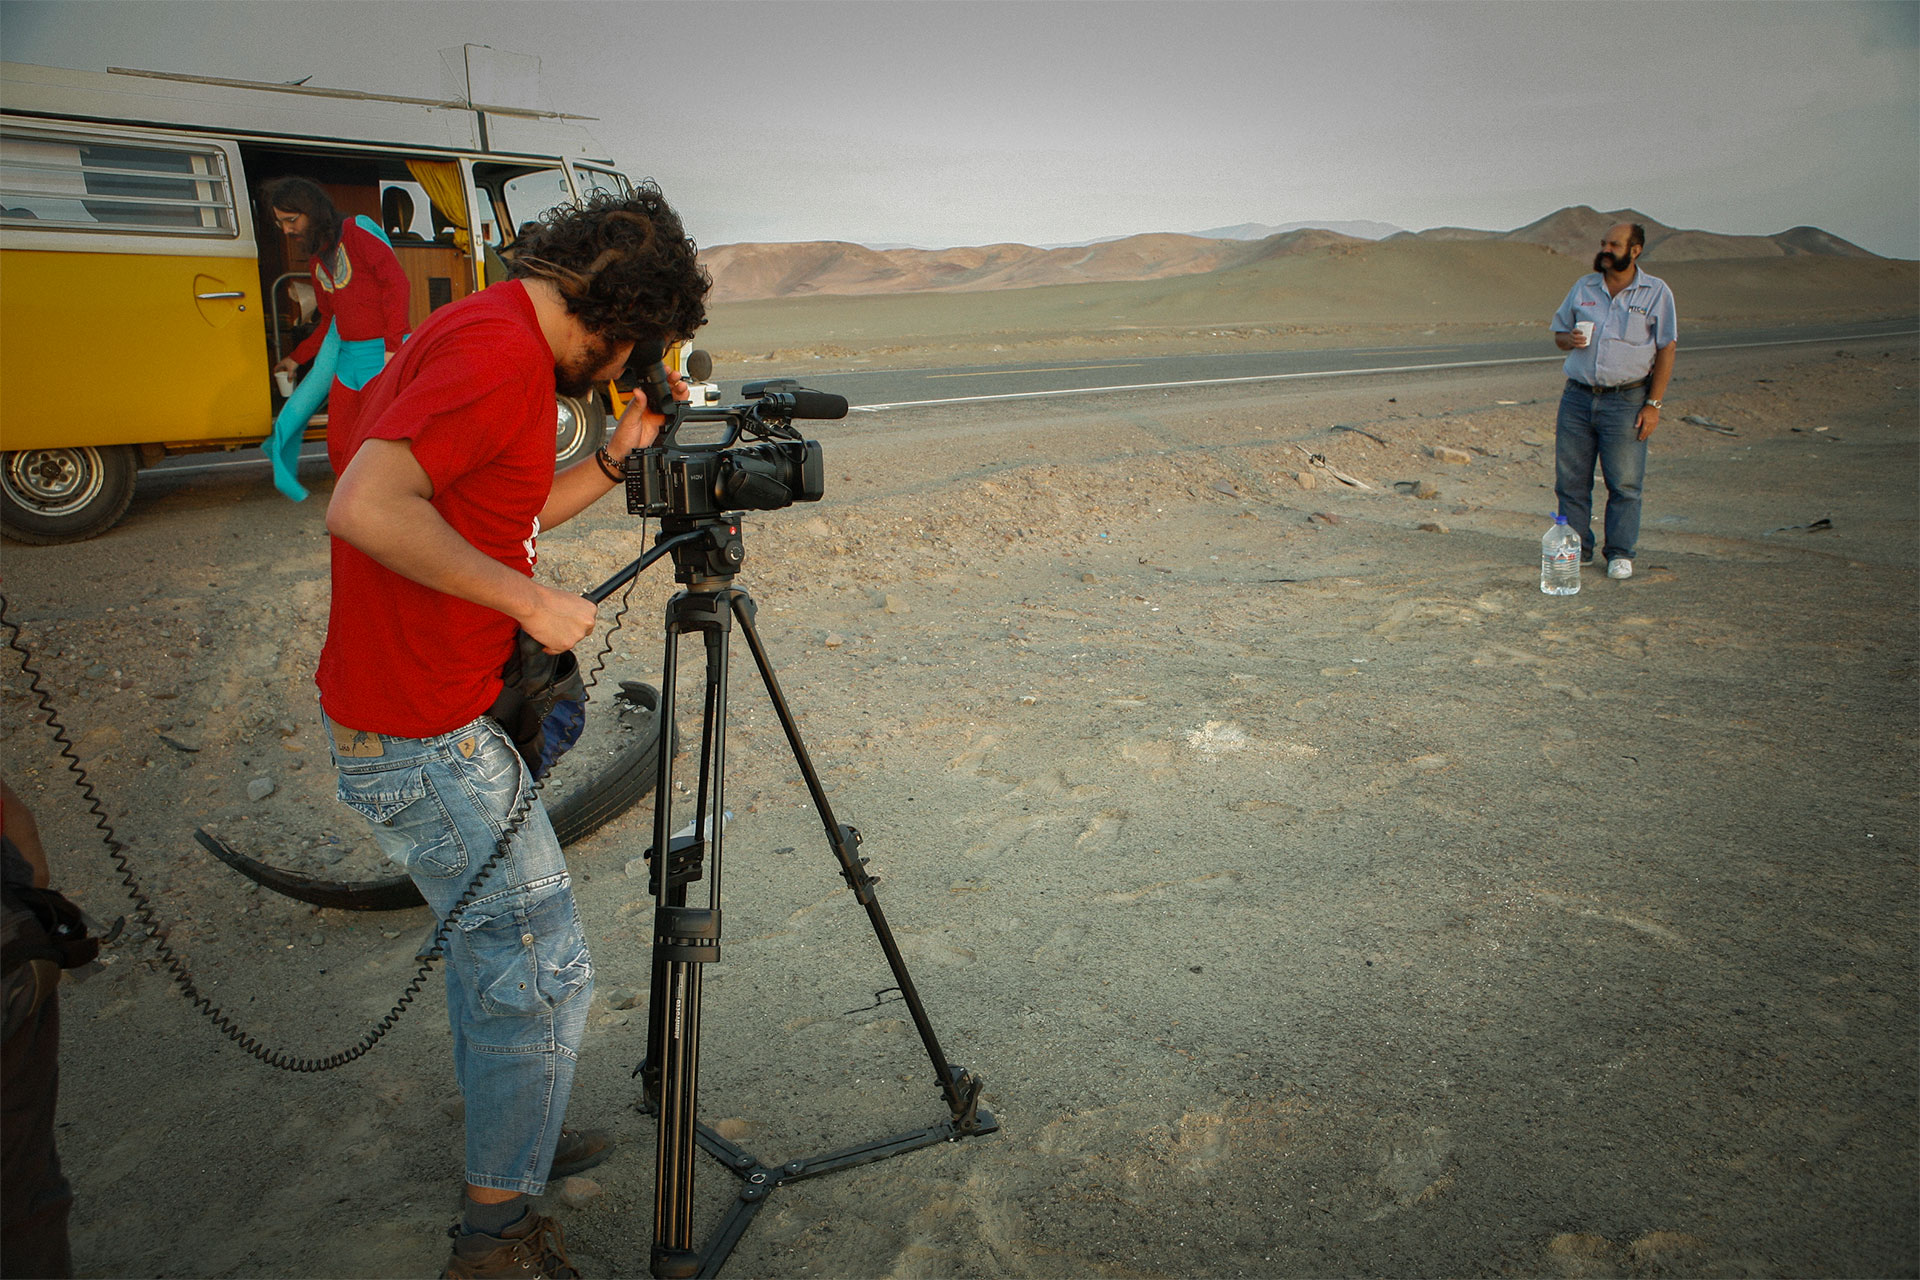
(707, 552)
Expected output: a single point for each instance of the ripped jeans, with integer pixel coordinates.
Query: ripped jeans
(518, 974)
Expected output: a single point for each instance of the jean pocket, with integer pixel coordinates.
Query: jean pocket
(530, 961)
(410, 822)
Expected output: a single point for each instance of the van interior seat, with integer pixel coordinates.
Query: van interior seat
(396, 215)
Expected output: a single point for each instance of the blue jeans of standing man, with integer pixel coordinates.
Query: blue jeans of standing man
(518, 974)
(1601, 426)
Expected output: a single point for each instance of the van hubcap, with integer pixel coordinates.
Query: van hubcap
(53, 481)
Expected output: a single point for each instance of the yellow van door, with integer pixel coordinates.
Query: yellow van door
(129, 266)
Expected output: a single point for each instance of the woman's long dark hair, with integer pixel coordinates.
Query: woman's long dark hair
(302, 195)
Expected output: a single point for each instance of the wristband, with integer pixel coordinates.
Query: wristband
(607, 465)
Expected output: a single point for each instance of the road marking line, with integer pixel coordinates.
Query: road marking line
(1342, 373)
(1010, 373)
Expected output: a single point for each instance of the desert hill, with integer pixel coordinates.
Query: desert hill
(1575, 230)
(1357, 292)
(742, 271)
(746, 272)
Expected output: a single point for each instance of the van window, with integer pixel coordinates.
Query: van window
(518, 194)
(66, 181)
(593, 181)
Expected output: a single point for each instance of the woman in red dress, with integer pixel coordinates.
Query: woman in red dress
(362, 297)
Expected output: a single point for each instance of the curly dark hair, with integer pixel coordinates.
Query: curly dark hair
(624, 264)
(303, 195)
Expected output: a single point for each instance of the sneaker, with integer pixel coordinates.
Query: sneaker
(1619, 567)
(579, 1150)
(1586, 556)
(530, 1248)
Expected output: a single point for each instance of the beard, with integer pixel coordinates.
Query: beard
(1604, 261)
(578, 376)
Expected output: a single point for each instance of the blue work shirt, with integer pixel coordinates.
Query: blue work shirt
(1627, 328)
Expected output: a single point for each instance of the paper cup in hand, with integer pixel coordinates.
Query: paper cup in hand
(283, 380)
(1585, 329)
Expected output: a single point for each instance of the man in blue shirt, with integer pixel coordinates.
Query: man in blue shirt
(1619, 331)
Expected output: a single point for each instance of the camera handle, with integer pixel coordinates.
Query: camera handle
(706, 550)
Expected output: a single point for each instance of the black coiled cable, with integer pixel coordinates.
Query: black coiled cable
(176, 966)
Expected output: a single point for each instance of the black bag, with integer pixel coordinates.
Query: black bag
(61, 936)
(542, 703)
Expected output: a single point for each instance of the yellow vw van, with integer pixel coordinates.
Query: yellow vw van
(134, 253)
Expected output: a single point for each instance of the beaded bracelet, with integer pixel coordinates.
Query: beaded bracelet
(607, 466)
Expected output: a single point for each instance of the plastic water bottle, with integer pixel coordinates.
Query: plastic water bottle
(1560, 559)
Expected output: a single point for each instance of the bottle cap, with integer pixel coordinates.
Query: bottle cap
(1558, 518)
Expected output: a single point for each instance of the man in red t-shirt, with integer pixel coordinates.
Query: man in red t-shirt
(446, 482)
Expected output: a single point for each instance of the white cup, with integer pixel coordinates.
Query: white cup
(1585, 329)
(284, 380)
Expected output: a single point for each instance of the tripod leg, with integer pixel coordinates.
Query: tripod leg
(649, 1069)
(962, 1090)
(685, 938)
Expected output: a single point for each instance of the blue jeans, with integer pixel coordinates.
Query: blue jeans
(1601, 426)
(518, 974)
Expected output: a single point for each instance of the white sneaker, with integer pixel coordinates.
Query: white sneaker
(1619, 567)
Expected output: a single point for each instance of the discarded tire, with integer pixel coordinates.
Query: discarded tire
(616, 762)
(607, 773)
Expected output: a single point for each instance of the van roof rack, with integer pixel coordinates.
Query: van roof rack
(316, 91)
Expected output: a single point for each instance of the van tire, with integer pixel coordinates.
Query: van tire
(580, 427)
(50, 496)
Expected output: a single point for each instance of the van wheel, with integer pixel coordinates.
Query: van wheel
(580, 427)
(50, 496)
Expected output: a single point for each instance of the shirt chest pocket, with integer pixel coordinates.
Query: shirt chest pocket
(1638, 329)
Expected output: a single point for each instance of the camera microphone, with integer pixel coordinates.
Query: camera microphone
(791, 400)
(810, 404)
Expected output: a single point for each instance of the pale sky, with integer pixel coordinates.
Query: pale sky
(941, 124)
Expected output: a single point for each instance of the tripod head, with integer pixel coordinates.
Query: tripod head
(707, 550)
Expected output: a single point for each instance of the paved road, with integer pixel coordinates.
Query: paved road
(876, 390)
(880, 389)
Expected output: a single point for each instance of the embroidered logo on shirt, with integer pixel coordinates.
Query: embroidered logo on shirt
(335, 275)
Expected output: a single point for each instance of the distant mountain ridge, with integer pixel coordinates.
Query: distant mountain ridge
(1361, 230)
(1239, 231)
(1576, 229)
(744, 272)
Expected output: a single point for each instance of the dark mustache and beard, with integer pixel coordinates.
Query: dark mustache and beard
(577, 377)
(1604, 261)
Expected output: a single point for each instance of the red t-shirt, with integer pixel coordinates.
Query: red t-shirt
(360, 283)
(472, 393)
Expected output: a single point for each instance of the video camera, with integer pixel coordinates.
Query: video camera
(675, 478)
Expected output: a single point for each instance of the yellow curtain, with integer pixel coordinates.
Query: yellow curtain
(441, 178)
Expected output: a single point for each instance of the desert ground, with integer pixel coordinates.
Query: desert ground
(1313, 895)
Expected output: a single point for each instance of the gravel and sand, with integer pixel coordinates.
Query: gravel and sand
(1313, 895)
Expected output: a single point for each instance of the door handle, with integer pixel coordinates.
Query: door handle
(211, 297)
